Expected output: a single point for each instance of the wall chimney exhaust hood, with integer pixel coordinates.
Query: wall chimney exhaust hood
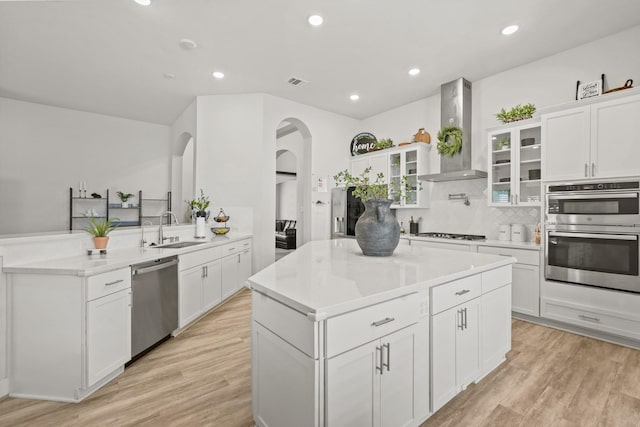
(455, 110)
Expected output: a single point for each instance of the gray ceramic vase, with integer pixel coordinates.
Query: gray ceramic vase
(377, 230)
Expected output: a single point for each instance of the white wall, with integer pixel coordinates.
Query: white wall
(4, 382)
(45, 150)
(286, 200)
(183, 160)
(546, 82)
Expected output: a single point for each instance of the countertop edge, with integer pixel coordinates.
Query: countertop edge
(530, 246)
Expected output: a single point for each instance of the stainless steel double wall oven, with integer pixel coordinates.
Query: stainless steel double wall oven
(593, 232)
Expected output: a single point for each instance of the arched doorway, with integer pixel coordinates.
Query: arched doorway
(293, 147)
(183, 176)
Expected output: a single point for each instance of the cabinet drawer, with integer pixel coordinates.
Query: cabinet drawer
(496, 278)
(523, 256)
(367, 324)
(193, 259)
(235, 247)
(108, 283)
(566, 312)
(454, 293)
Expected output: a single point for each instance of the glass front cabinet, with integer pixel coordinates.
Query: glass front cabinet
(410, 161)
(514, 169)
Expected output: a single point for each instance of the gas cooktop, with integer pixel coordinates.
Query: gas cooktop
(452, 236)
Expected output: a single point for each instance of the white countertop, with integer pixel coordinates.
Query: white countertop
(328, 277)
(88, 265)
(495, 243)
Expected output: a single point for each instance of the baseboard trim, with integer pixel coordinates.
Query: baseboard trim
(4, 387)
(602, 336)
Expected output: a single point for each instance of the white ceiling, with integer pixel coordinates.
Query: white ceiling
(109, 56)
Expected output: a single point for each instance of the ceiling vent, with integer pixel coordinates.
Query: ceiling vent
(294, 81)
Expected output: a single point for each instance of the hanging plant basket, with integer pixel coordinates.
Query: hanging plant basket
(449, 141)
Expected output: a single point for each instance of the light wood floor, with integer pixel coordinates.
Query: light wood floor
(202, 378)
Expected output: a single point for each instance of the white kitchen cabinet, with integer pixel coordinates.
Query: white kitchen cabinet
(496, 328)
(377, 161)
(526, 278)
(373, 385)
(455, 358)
(190, 295)
(515, 165)
(108, 334)
(67, 353)
(443, 245)
(230, 275)
(212, 285)
(592, 141)
(410, 161)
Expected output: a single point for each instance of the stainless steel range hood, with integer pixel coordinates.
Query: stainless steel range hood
(455, 110)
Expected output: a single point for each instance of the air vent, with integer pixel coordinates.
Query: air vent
(294, 81)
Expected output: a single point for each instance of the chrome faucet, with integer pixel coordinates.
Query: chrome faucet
(161, 237)
(142, 240)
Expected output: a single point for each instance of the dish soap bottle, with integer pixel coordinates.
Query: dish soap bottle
(536, 233)
(401, 228)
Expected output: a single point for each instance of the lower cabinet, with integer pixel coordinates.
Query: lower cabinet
(236, 269)
(108, 334)
(495, 328)
(455, 340)
(373, 385)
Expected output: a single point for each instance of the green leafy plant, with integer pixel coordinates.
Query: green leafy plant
(200, 204)
(503, 143)
(519, 112)
(100, 227)
(384, 143)
(124, 196)
(449, 140)
(376, 189)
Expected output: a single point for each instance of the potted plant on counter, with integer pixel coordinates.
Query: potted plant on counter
(200, 213)
(100, 228)
(124, 197)
(377, 230)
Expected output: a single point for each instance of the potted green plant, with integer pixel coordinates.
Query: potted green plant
(381, 144)
(377, 231)
(199, 206)
(100, 228)
(519, 112)
(124, 197)
(503, 144)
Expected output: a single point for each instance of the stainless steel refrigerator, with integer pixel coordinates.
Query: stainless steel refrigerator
(345, 211)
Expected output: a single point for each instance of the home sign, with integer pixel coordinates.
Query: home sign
(363, 143)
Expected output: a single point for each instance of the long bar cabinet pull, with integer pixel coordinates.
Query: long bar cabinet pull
(379, 367)
(383, 321)
(462, 292)
(388, 364)
(586, 170)
(589, 318)
(115, 282)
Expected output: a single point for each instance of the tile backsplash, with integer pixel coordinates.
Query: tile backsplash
(453, 216)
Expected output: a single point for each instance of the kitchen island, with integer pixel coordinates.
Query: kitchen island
(341, 339)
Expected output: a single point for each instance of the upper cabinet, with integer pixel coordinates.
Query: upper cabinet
(410, 160)
(514, 172)
(599, 140)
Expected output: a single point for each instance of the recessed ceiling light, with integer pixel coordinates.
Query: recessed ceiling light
(315, 20)
(188, 44)
(354, 97)
(509, 30)
(218, 74)
(143, 2)
(414, 71)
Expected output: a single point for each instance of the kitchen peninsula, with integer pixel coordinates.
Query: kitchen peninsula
(341, 339)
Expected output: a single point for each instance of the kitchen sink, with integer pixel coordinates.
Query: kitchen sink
(177, 245)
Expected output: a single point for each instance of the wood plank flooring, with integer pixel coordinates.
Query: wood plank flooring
(202, 378)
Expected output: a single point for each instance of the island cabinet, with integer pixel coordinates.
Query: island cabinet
(366, 367)
(470, 331)
(67, 353)
(209, 276)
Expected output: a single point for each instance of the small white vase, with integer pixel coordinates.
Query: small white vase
(200, 222)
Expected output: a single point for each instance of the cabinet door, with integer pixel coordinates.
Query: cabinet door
(500, 170)
(528, 165)
(359, 165)
(212, 285)
(442, 245)
(526, 289)
(468, 344)
(245, 267)
(398, 379)
(443, 357)
(230, 271)
(566, 144)
(496, 327)
(352, 389)
(108, 334)
(378, 165)
(190, 295)
(615, 127)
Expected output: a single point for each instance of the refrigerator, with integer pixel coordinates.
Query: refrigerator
(345, 211)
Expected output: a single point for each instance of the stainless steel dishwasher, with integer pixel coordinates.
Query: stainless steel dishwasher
(154, 311)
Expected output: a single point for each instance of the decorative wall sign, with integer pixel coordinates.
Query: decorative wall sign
(363, 143)
(587, 90)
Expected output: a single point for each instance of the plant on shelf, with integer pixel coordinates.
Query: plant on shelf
(449, 141)
(381, 144)
(519, 112)
(503, 144)
(100, 228)
(199, 206)
(124, 197)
